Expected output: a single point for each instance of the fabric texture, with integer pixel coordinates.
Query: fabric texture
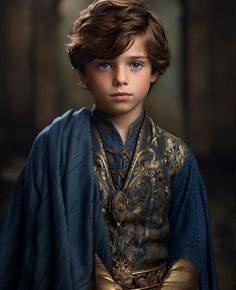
(52, 225)
(190, 233)
(104, 280)
(119, 155)
(189, 236)
(181, 276)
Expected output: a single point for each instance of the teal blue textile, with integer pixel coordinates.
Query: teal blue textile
(119, 155)
(190, 232)
(52, 225)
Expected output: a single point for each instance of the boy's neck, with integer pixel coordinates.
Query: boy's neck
(123, 122)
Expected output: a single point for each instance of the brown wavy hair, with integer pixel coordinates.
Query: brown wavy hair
(107, 28)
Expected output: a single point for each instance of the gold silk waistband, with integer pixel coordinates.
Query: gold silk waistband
(150, 279)
(181, 275)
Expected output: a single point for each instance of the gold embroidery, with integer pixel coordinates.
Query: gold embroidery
(119, 206)
(138, 213)
(175, 153)
(174, 149)
(123, 153)
(143, 279)
(121, 172)
(103, 175)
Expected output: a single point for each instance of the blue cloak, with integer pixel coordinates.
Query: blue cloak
(53, 224)
(190, 232)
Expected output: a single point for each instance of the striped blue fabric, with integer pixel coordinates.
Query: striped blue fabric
(53, 224)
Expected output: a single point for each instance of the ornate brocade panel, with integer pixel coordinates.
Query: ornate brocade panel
(137, 215)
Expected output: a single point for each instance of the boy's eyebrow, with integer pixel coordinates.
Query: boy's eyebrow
(132, 57)
(137, 56)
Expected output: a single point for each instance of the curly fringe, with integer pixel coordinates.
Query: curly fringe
(107, 28)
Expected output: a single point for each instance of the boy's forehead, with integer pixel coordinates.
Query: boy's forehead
(137, 45)
(136, 49)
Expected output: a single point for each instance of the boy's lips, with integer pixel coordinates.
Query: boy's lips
(122, 96)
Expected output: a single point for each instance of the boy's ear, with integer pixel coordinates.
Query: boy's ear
(82, 77)
(154, 76)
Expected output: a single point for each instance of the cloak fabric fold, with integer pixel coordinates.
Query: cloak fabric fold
(190, 233)
(53, 224)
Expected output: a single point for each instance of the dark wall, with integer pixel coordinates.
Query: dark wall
(209, 76)
(29, 81)
(209, 103)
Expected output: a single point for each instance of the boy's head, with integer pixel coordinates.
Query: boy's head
(107, 28)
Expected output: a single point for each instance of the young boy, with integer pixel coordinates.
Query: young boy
(108, 200)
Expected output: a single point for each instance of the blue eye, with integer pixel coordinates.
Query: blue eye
(136, 65)
(104, 66)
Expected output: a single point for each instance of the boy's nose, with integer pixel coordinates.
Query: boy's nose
(120, 77)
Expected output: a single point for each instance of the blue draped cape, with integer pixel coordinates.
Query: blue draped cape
(53, 225)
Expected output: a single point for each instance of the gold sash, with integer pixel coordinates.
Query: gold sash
(181, 275)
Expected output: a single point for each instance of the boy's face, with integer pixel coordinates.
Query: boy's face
(120, 85)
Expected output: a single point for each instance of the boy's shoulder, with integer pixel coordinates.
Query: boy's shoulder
(67, 121)
(62, 139)
(174, 151)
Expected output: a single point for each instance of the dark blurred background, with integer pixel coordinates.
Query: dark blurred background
(193, 100)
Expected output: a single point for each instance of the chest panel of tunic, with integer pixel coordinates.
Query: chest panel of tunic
(136, 214)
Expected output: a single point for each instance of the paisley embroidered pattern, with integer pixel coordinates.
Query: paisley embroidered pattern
(137, 215)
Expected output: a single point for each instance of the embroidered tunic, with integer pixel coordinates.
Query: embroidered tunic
(134, 180)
